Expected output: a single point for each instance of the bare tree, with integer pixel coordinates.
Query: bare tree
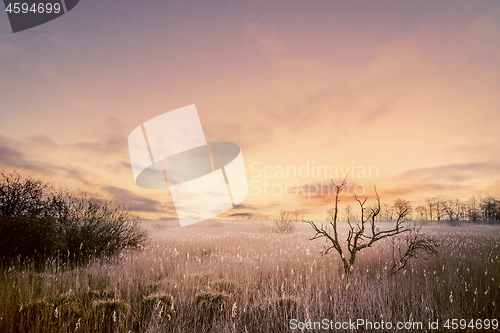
(415, 245)
(349, 213)
(387, 212)
(402, 207)
(490, 208)
(364, 233)
(473, 213)
(421, 212)
(454, 209)
(462, 209)
(486, 208)
(449, 209)
(285, 221)
(438, 207)
(431, 204)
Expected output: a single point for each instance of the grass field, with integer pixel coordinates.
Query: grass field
(231, 277)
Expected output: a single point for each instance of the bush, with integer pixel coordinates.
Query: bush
(285, 221)
(35, 316)
(96, 227)
(107, 315)
(157, 304)
(210, 304)
(44, 222)
(28, 237)
(23, 196)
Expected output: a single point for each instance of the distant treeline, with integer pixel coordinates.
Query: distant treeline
(38, 221)
(437, 209)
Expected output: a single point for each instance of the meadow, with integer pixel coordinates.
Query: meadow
(230, 276)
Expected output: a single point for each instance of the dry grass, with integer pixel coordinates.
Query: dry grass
(229, 277)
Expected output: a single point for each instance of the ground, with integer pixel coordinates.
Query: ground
(229, 276)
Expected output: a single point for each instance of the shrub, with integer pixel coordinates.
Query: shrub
(35, 316)
(285, 221)
(42, 221)
(107, 315)
(67, 308)
(23, 196)
(159, 304)
(95, 228)
(211, 304)
(28, 237)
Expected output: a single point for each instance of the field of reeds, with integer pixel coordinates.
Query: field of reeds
(232, 277)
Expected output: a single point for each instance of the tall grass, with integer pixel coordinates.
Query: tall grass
(221, 279)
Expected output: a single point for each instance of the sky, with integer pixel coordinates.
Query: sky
(407, 90)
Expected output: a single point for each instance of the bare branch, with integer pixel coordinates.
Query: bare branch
(416, 245)
(359, 238)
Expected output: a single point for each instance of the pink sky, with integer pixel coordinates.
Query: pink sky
(409, 88)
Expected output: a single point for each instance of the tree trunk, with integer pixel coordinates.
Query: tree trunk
(346, 266)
